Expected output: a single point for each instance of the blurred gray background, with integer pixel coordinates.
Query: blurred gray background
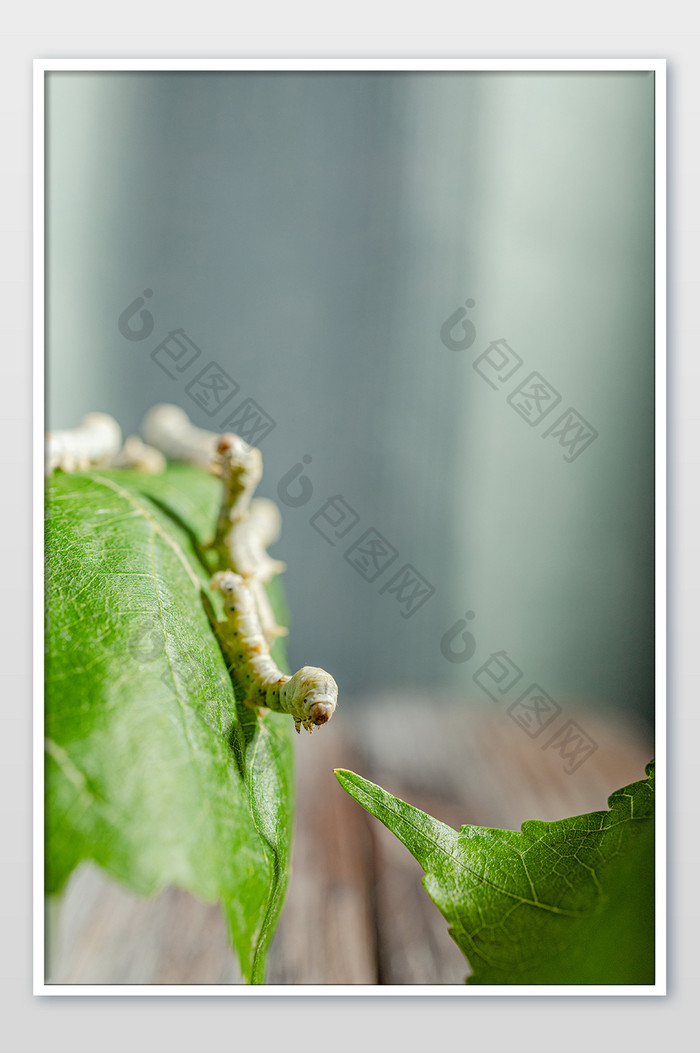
(312, 232)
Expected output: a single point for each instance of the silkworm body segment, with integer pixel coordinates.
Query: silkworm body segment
(135, 454)
(309, 696)
(245, 527)
(94, 443)
(246, 543)
(239, 467)
(170, 430)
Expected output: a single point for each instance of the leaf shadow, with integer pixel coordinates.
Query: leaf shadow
(208, 565)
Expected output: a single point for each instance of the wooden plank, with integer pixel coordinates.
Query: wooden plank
(106, 934)
(327, 931)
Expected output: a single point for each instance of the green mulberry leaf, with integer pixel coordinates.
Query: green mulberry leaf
(153, 769)
(566, 902)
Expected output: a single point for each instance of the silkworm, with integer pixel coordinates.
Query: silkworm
(247, 544)
(245, 528)
(171, 431)
(309, 696)
(239, 466)
(92, 444)
(137, 455)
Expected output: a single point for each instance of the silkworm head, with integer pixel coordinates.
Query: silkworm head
(236, 456)
(225, 582)
(313, 694)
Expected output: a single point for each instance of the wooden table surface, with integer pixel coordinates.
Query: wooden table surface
(356, 912)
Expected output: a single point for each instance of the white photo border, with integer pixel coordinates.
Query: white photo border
(655, 66)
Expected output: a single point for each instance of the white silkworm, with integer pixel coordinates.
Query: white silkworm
(137, 455)
(247, 544)
(244, 529)
(309, 696)
(92, 444)
(239, 466)
(170, 430)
